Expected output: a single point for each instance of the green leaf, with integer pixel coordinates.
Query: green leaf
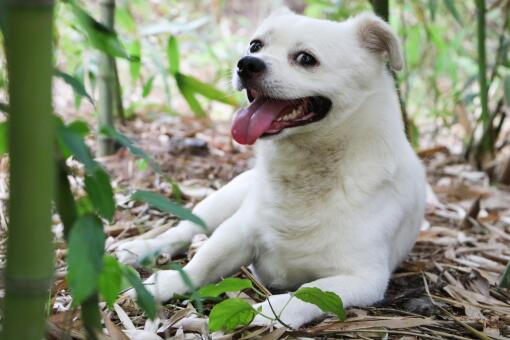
(3, 138)
(507, 89)
(230, 284)
(190, 98)
(413, 45)
(164, 204)
(144, 299)
(85, 258)
(504, 282)
(84, 206)
(205, 89)
(100, 36)
(147, 87)
(229, 314)
(141, 164)
(326, 301)
(135, 49)
(75, 143)
(110, 280)
(124, 19)
(99, 189)
(127, 143)
(75, 83)
(173, 55)
(450, 5)
(80, 127)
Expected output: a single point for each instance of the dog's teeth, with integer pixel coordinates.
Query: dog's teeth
(297, 112)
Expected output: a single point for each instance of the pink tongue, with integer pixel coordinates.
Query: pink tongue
(251, 122)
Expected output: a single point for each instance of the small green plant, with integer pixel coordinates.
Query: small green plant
(234, 312)
(190, 86)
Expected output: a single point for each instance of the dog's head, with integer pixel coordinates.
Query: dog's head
(302, 74)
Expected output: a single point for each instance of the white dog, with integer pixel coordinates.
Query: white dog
(337, 196)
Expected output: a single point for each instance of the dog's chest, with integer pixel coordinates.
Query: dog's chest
(295, 247)
(294, 177)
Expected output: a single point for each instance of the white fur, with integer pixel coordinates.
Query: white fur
(335, 204)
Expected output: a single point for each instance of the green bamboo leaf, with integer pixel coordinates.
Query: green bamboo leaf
(124, 18)
(504, 282)
(229, 314)
(412, 46)
(75, 143)
(230, 284)
(127, 143)
(75, 83)
(452, 8)
(205, 89)
(99, 189)
(173, 55)
(80, 127)
(84, 206)
(326, 301)
(85, 258)
(190, 98)
(3, 138)
(100, 36)
(144, 299)
(110, 280)
(164, 204)
(135, 50)
(147, 87)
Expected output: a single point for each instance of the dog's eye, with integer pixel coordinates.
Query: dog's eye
(305, 59)
(255, 46)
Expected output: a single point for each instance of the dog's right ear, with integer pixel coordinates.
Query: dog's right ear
(378, 37)
(281, 11)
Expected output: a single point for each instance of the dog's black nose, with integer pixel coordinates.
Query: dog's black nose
(250, 66)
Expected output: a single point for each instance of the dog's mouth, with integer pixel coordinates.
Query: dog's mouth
(267, 116)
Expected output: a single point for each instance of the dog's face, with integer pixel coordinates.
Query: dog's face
(304, 74)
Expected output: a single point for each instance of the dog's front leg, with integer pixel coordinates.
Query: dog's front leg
(355, 290)
(213, 210)
(229, 248)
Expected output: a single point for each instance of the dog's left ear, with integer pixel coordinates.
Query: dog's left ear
(378, 37)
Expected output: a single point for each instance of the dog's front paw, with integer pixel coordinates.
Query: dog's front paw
(163, 285)
(135, 251)
(291, 313)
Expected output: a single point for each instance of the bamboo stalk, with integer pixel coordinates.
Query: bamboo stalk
(29, 271)
(487, 141)
(118, 94)
(106, 81)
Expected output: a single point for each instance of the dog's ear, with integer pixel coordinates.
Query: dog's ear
(281, 11)
(378, 37)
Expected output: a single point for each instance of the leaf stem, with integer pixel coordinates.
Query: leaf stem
(277, 317)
